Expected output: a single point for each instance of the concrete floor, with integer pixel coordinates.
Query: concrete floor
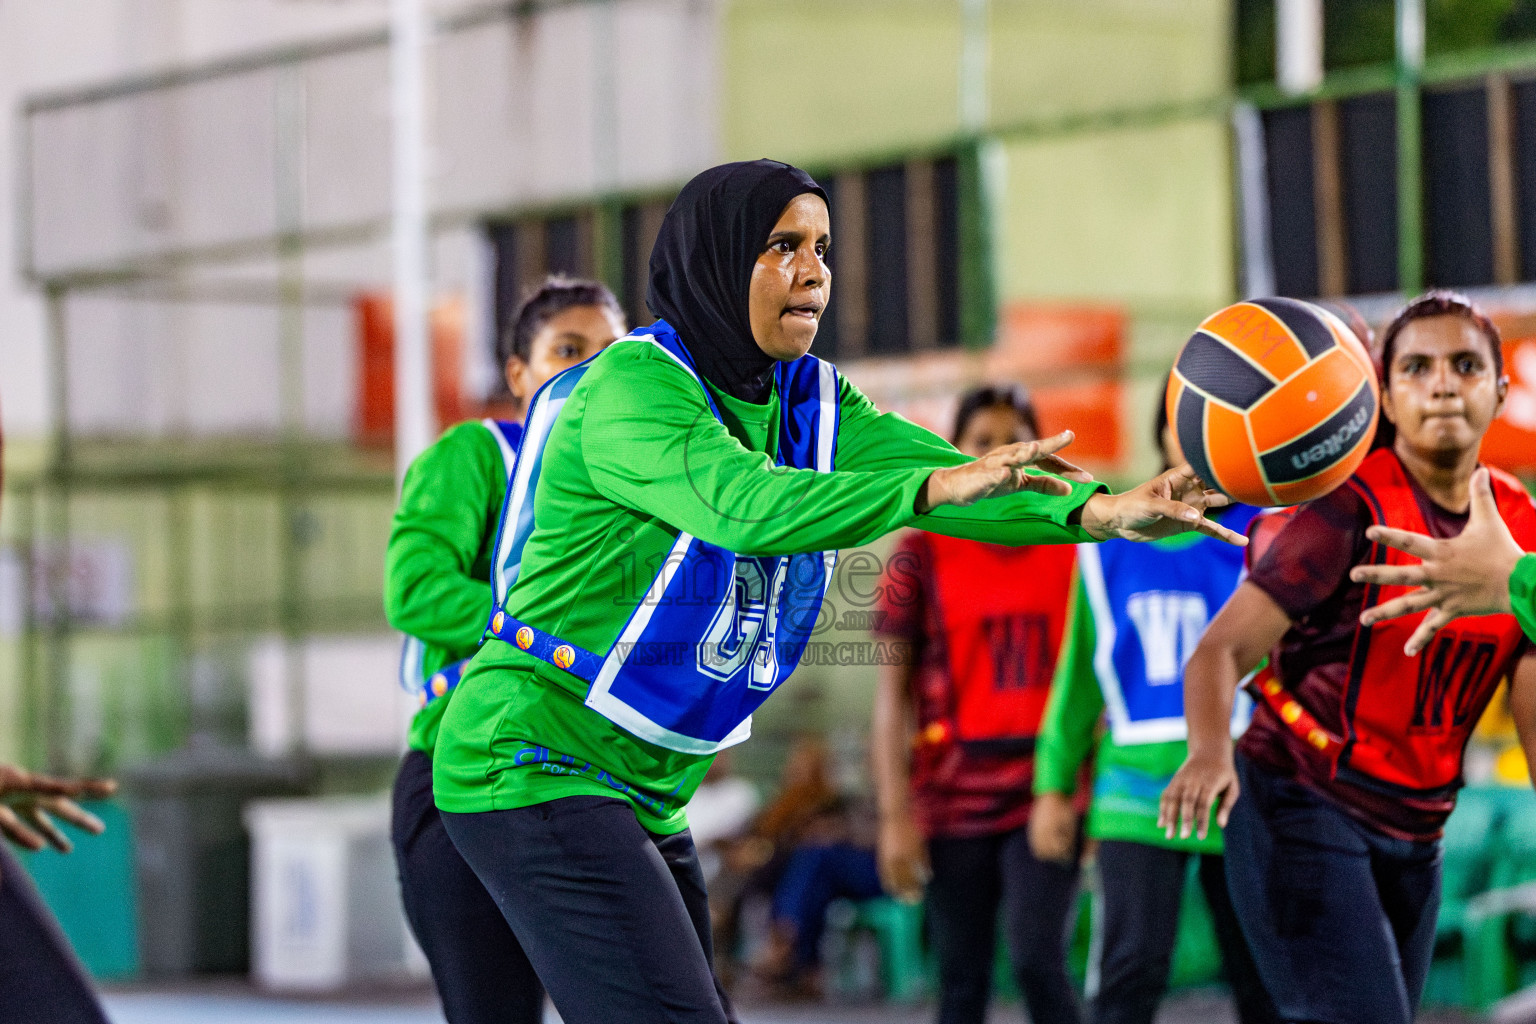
(234, 1004)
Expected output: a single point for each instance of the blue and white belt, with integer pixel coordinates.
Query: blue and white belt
(441, 681)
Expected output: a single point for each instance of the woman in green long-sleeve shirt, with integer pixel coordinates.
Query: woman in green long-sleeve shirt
(688, 479)
(438, 592)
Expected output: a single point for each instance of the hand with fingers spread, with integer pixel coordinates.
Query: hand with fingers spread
(1170, 503)
(1004, 471)
(1463, 575)
(29, 802)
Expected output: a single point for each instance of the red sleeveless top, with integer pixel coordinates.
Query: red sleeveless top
(986, 623)
(1378, 732)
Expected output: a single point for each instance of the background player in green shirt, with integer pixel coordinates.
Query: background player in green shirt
(574, 823)
(1480, 571)
(438, 592)
(1136, 615)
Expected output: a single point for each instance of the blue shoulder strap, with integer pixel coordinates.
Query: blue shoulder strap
(515, 524)
(507, 435)
(413, 652)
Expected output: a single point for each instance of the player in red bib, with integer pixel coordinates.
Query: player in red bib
(967, 706)
(1353, 760)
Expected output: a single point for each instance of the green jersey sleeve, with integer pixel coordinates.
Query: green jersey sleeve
(437, 581)
(650, 441)
(873, 440)
(1073, 709)
(1522, 594)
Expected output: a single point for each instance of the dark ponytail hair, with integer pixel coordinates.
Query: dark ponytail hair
(1430, 304)
(1010, 396)
(557, 294)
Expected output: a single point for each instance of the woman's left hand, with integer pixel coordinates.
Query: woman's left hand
(1171, 503)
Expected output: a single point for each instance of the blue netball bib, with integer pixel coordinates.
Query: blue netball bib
(716, 632)
(412, 677)
(1150, 607)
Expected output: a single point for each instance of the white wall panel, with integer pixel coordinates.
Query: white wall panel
(667, 75)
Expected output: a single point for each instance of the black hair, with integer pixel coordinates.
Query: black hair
(991, 396)
(557, 294)
(1440, 303)
(1431, 304)
(1160, 422)
(1353, 320)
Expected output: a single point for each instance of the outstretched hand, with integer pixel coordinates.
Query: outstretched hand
(1003, 471)
(1463, 575)
(1171, 503)
(28, 801)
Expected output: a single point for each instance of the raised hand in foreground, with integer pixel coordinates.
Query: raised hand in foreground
(1463, 575)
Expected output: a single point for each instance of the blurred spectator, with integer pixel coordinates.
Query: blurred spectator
(815, 876)
(720, 811)
(954, 738)
(805, 809)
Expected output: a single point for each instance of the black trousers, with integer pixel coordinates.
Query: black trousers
(972, 880)
(1340, 918)
(615, 919)
(1143, 886)
(41, 981)
(481, 973)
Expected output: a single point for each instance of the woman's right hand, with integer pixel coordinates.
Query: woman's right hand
(1053, 828)
(1002, 471)
(1202, 781)
(901, 853)
(1463, 575)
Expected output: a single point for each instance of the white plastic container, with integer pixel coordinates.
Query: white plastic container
(325, 900)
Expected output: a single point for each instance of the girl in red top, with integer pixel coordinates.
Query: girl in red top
(1354, 756)
(984, 623)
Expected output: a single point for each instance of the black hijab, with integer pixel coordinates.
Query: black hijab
(701, 267)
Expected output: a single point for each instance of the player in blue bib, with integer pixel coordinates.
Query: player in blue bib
(1138, 613)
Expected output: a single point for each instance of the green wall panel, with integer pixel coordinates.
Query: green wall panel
(1051, 58)
(1134, 215)
(807, 80)
(816, 80)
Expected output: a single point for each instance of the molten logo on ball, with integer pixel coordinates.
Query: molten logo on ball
(1333, 445)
